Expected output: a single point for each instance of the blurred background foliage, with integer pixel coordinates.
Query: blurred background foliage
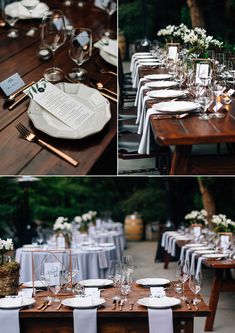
(218, 16)
(157, 199)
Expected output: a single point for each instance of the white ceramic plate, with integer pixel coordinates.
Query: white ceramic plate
(37, 284)
(150, 63)
(161, 84)
(194, 245)
(30, 246)
(148, 60)
(158, 77)
(77, 302)
(16, 8)
(106, 244)
(15, 303)
(205, 251)
(93, 248)
(109, 58)
(214, 256)
(153, 282)
(46, 122)
(200, 248)
(96, 283)
(144, 56)
(159, 303)
(165, 93)
(177, 106)
(141, 54)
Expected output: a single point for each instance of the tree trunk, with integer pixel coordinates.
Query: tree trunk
(196, 14)
(207, 199)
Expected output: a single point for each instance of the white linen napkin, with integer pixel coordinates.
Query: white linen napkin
(9, 320)
(85, 320)
(144, 146)
(103, 263)
(111, 48)
(199, 265)
(141, 108)
(138, 90)
(137, 56)
(160, 320)
(182, 252)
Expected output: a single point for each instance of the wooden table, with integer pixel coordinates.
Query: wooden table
(222, 282)
(109, 321)
(184, 133)
(96, 153)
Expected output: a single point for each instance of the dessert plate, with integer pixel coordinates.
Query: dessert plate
(153, 282)
(79, 303)
(159, 303)
(96, 283)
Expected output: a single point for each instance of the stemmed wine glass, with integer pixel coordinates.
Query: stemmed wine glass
(205, 100)
(218, 88)
(110, 6)
(30, 5)
(53, 36)
(182, 274)
(115, 273)
(11, 16)
(195, 284)
(80, 51)
(128, 261)
(126, 283)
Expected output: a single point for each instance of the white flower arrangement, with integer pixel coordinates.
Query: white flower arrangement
(61, 224)
(84, 220)
(167, 31)
(197, 217)
(222, 223)
(6, 245)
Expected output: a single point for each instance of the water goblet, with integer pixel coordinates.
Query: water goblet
(110, 6)
(53, 36)
(195, 283)
(30, 5)
(205, 100)
(80, 51)
(182, 274)
(11, 16)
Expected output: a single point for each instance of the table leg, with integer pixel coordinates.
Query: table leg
(180, 160)
(214, 298)
(167, 258)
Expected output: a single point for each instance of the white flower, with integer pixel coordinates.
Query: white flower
(86, 217)
(1, 244)
(6, 245)
(78, 219)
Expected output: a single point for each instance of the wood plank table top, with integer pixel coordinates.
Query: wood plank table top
(19, 156)
(189, 131)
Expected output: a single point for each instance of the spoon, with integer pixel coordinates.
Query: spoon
(2, 23)
(12, 97)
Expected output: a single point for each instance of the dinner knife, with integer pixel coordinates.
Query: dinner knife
(109, 97)
(13, 96)
(18, 102)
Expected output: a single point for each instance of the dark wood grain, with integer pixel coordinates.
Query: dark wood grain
(184, 133)
(21, 157)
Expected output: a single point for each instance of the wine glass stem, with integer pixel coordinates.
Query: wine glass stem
(183, 289)
(53, 60)
(108, 23)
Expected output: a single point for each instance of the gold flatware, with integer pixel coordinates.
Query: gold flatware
(42, 305)
(188, 304)
(177, 116)
(12, 97)
(29, 136)
(60, 306)
(131, 306)
(46, 305)
(121, 304)
(18, 102)
(194, 304)
(109, 97)
(103, 71)
(100, 86)
(114, 304)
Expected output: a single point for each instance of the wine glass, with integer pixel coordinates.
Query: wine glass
(53, 36)
(205, 100)
(126, 283)
(195, 284)
(80, 51)
(11, 16)
(128, 261)
(115, 273)
(182, 274)
(110, 6)
(30, 5)
(218, 88)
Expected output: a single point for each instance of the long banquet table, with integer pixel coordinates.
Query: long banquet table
(109, 321)
(189, 131)
(19, 156)
(222, 281)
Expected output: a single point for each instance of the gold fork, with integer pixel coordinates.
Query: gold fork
(29, 136)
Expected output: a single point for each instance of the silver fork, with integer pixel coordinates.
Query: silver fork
(29, 136)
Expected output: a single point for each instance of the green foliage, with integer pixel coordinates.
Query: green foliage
(185, 16)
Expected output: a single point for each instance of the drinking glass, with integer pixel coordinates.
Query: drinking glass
(128, 261)
(30, 5)
(182, 274)
(195, 284)
(80, 51)
(110, 6)
(205, 100)
(11, 16)
(125, 284)
(53, 36)
(115, 273)
(218, 88)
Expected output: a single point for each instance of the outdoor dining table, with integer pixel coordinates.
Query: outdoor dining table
(20, 55)
(184, 133)
(222, 281)
(33, 320)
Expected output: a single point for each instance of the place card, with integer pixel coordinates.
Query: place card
(224, 241)
(217, 106)
(202, 72)
(12, 84)
(173, 52)
(59, 104)
(197, 231)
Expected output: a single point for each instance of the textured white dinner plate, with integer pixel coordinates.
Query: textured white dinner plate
(93, 248)
(77, 302)
(141, 54)
(165, 93)
(153, 282)
(161, 84)
(91, 98)
(194, 245)
(157, 77)
(200, 248)
(148, 60)
(16, 8)
(150, 63)
(96, 283)
(159, 303)
(37, 284)
(214, 256)
(144, 56)
(177, 106)
(106, 244)
(109, 58)
(15, 303)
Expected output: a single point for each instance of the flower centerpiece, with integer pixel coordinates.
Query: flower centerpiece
(63, 229)
(84, 220)
(222, 224)
(9, 269)
(167, 33)
(197, 217)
